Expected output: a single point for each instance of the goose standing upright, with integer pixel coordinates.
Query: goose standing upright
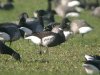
(49, 38)
(7, 50)
(48, 17)
(30, 27)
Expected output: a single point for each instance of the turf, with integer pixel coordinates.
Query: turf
(65, 59)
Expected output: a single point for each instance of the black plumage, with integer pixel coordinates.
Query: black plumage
(4, 49)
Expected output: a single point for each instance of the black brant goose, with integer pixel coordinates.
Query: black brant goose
(9, 32)
(49, 38)
(30, 27)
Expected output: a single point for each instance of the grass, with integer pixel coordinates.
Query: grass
(65, 59)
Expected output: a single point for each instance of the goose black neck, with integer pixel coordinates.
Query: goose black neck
(41, 20)
(22, 21)
(52, 17)
(64, 23)
(5, 49)
(49, 6)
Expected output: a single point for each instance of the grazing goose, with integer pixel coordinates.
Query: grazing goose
(96, 12)
(32, 26)
(92, 58)
(9, 32)
(92, 67)
(7, 50)
(80, 26)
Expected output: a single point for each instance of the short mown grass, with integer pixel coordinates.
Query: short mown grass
(65, 59)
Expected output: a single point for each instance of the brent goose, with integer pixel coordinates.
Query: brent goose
(48, 17)
(50, 38)
(66, 8)
(7, 50)
(9, 32)
(92, 67)
(32, 26)
(80, 26)
(7, 6)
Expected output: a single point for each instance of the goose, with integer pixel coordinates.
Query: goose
(92, 57)
(96, 12)
(92, 67)
(48, 17)
(9, 32)
(49, 38)
(32, 26)
(80, 26)
(63, 10)
(7, 6)
(4, 49)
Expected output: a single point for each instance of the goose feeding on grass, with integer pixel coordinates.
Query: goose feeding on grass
(9, 32)
(92, 57)
(9, 51)
(49, 38)
(92, 67)
(32, 26)
(80, 26)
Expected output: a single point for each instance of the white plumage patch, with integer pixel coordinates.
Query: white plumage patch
(67, 33)
(26, 30)
(34, 39)
(73, 3)
(88, 57)
(64, 2)
(4, 36)
(72, 14)
(84, 29)
(47, 40)
(90, 69)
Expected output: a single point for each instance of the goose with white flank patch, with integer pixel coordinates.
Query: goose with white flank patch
(9, 51)
(96, 12)
(9, 32)
(92, 67)
(80, 26)
(67, 8)
(49, 38)
(30, 27)
(92, 57)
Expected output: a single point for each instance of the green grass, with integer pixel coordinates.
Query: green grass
(65, 59)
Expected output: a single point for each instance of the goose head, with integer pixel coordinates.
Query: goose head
(16, 56)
